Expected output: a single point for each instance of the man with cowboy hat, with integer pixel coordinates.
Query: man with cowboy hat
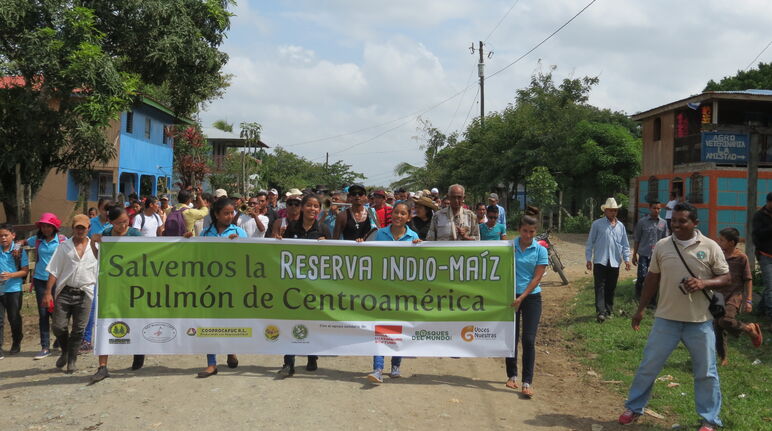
(606, 248)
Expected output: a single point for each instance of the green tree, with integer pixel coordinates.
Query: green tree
(756, 78)
(192, 160)
(68, 68)
(541, 186)
(223, 125)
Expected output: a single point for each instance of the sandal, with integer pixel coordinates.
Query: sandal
(511, 383)
(527, 391)
(756, 337)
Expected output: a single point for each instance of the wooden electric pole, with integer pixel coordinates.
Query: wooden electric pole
(481, 74)
(754, 153)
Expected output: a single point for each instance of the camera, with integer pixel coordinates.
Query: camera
(682, 286)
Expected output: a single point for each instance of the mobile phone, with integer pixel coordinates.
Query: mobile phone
(682, 286)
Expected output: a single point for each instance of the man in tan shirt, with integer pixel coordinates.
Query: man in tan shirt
(682, 315)
(454, 223)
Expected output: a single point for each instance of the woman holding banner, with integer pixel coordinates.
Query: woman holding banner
(119, 226)
(396, 231)
(222, 212)
(305, 227)
(530, 263)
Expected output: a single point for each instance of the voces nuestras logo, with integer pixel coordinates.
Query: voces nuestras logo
(467, 333)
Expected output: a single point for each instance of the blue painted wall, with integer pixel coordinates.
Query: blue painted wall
(143, 155)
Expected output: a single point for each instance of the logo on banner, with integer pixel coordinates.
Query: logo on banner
(471, 333)
(426, 335)
(191, 332)
(388, 334)
(271, 332)
(118, 329)
(299, 332)
(159, 332)
(221, 332)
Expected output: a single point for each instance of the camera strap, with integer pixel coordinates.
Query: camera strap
(687, 266)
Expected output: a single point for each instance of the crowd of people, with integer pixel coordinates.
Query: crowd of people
(680, 271)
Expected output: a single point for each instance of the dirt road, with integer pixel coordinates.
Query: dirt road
(441, 393)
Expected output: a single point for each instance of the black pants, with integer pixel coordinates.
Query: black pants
(527, 319)
(75, 304)
(10, 304)
(45, 318)
(290, 359)
(605, 284)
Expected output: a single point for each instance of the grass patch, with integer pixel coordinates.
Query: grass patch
(614, 351)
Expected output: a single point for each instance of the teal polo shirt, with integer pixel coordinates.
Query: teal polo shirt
(212, 231)
(492, 233)
(384, 234)
(44, 252)
(97, 226)
(526, 262)
(8, 264)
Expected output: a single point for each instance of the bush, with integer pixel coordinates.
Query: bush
(577, 224)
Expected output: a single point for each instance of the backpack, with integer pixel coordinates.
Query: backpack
(38, 241)
(175, 223)
(142, 216)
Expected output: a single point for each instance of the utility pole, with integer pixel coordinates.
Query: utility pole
(754, 153)
(326, 161)
(481, 74)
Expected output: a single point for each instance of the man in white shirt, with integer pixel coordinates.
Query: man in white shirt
(149, 222)
(254, 223)
(669, 210)
(73, 275)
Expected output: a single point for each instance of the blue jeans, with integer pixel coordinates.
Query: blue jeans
(378, 362)
(766, 297)
(700, 340)
(44, 323)
(527, 318)
(90, 325)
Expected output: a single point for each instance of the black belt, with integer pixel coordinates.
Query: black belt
(75, 290)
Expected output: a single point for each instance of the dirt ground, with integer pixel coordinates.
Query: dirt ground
(443, 393)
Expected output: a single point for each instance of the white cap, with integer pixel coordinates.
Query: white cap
(435, 190)
(220, 193)
(274, 191)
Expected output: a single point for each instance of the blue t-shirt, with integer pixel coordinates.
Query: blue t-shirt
(526, 263)
(492, 233)
(384, 234)
(97, 226)
(212, 231)
(44, 253)
(8, 264)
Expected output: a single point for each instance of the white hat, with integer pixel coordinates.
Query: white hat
(294, 193)
(274, 191)
(611, 204)
(220, 193)
(435, 190)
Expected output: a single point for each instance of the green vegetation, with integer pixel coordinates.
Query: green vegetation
(759, 77)
(614, 351)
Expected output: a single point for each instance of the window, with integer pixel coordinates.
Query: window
(658, 129)
(147, 128)
(653, 194)
(105, 181)
(696, 188)
(129, 122)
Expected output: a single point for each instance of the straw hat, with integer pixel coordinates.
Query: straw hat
(427, 202)
(611, 204)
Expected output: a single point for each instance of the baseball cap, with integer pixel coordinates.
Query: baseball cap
(163, 197)
(273, 191)
(380, 193)
(220, 193)
(435, 190)
(359, 187)
(81, 220)
(493, 196)
(236, 195)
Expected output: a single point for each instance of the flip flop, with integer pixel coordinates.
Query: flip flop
(511, 384)
(756, 337)
(527, 391)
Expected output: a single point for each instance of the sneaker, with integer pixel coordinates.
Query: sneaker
(100, 375)
(2, 355)
(311, 365)
(286, 371)
(376, 376)
(62, 361)
(15, 349)
(395, 372)
(628, 417)
(42, 355)
(601, 318)
(85, 347)
(707, 427)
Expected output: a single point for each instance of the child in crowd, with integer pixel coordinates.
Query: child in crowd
(738, 296)
(12, 270)
(492, 230)
(396, 231)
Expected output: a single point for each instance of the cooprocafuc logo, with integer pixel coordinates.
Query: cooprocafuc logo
(271, 332)
(471, 333)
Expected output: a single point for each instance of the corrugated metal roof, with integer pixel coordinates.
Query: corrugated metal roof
(756, 92)
(231, 139)
(755, 95)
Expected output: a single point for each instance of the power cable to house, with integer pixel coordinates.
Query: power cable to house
(469, 112)
(543, 41)
(757, 57)
(460, 100)
(410, 118)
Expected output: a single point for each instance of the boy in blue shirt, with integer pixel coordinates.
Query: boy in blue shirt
(12, 271)
(492, 230)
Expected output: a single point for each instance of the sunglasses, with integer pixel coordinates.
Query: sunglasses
(293, 203)
(357, 193)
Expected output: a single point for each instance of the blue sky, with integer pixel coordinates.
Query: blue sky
(308, 70)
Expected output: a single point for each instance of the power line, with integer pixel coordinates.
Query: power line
(543, 41)
(461, 99)
(375, 137)
(501, 20)
(470, 108)
(757, 57)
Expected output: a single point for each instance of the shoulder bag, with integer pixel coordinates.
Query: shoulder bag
(716, 300)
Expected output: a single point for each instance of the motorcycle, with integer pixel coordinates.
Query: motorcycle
(552, 252)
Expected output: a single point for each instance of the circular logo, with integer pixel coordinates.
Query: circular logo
(701, 255)
(159, 332)
(300, 332)
(467, 333)
(271, 333)
(118, 329)
(191, 332)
